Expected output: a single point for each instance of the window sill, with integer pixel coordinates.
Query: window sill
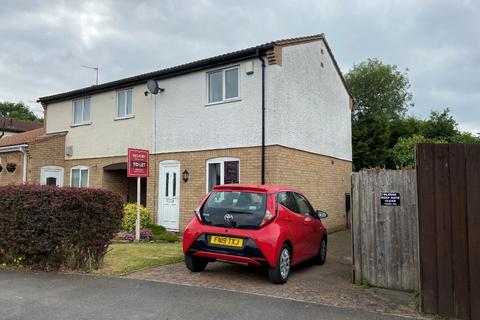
(223, 102)
(80, 124)
(124, 118)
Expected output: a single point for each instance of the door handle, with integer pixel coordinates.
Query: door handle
(307, 220)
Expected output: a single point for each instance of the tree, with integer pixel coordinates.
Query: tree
(17, 111)
(380, 89)
(370, 136)
(440, 125)
(403, 153)
(380, 97)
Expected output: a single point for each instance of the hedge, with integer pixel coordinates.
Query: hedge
(49, 227)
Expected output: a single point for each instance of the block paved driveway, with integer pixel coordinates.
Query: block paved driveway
(328, 284)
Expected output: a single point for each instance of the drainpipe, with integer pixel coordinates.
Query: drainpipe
(25, 163)
(263, 117)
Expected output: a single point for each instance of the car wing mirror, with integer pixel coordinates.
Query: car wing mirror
(321, 214)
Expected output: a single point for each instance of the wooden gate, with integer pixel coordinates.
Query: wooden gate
(449, 229)
(385, 234)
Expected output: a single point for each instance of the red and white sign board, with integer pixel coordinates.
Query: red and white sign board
(138, 163)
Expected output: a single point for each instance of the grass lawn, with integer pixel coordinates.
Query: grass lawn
(127, 257)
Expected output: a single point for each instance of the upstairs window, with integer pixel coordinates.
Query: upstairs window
(81, 111)
(79, 177)
(223, 85)
(124, 103)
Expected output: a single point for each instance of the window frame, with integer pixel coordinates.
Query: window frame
(298, 197)
(83, 122)
(126, 116)
(292, 194)
(84, 168)
(224, 79)
(221, 161)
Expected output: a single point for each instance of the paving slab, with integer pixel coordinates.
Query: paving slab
(328, 284)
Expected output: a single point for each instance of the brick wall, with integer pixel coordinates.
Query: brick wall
(11, 177)
(45, 152)
(324, 180)
(192, 191)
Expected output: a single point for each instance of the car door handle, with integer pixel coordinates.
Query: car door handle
(307, 220)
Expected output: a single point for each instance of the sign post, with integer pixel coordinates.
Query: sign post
(138, 167)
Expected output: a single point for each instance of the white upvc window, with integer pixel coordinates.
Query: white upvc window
(124, 103)
(79, 177)
(222, 171)
(223, 85)
(81, 111)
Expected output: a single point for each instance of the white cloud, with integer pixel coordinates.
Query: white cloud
(44, 43)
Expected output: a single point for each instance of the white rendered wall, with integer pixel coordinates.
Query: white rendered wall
(185, 122)
(105, 136)
(307, 105)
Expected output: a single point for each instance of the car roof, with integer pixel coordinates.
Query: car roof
(262, 188)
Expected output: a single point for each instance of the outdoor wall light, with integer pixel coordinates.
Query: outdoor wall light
(186, 175)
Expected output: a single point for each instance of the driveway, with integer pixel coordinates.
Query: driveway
(328, 284)
(42, 296)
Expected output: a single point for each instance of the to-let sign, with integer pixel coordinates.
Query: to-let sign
(138, 163)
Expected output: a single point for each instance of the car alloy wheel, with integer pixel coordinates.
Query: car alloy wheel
(285, 263)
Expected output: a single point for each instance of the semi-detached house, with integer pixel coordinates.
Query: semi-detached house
(277, 113)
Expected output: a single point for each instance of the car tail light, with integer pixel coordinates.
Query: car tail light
(197, 213)
(270, 212)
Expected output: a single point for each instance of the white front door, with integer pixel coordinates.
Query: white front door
(51, 176)
(168, 209)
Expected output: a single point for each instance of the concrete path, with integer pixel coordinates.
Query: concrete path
(39, 296)
(328, 284)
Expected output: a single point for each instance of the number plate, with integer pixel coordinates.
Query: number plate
(227, 241)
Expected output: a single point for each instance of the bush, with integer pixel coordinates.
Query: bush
(48, 227)
(169, 237)
(130, 216)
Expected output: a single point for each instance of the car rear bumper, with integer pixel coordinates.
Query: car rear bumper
(230, 257)
(248, 253)
(260, 245)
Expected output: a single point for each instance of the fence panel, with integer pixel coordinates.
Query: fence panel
(385, 232)
(449, 229)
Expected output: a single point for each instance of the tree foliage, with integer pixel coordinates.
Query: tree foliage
(17, 110)
(380, 97)
(379, 89)
(381, 134)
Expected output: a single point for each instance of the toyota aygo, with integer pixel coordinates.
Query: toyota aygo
(260, 225)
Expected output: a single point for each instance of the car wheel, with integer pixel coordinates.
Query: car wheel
(195, 264)
(279, 273)
(322, 252)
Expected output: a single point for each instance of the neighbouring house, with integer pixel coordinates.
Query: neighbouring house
(276, 113)
(11, 126)
(32, 157)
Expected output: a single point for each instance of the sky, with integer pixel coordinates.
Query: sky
(43, 44)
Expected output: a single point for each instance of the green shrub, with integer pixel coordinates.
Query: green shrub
(156, 229)
(169, 237)
(130, 216)
(49, 228)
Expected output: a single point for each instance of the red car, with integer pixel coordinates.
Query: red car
(259, 225)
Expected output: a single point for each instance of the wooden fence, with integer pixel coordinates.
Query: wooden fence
(449, 225)
(385, 231)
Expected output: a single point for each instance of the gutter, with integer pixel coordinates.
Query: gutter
(262, 166)
(23, 149)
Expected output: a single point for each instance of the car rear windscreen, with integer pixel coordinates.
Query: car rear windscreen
(233, 209)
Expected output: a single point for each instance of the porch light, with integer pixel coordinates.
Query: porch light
(185, 175)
